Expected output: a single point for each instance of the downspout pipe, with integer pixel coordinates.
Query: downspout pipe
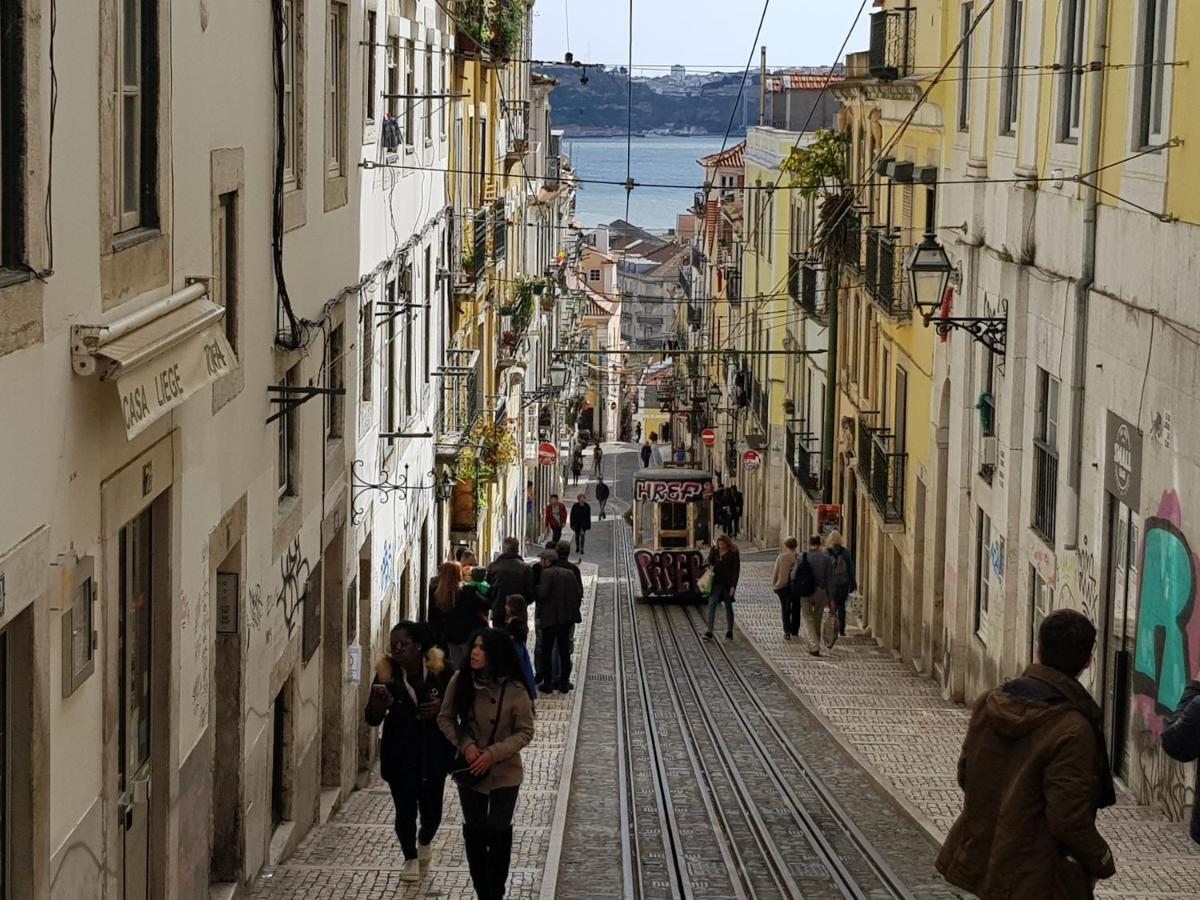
(1089, 163)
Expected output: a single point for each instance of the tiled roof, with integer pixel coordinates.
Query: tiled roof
(800, 82)
(729, 159)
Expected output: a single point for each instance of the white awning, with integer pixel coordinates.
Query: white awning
(159, 356)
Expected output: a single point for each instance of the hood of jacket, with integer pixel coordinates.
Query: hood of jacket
(1039, 696)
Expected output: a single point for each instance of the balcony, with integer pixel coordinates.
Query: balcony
(887, 478)
(814, 297)
(893, 44)
(499, 231)
(884, 272)
(480, 235)
(1045, 490)
(804, 459)
(733, 286)
(458, 402)
(795, 261)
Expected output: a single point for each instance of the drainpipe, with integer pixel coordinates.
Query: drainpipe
(1089, 163)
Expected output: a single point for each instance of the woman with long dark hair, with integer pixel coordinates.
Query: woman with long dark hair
(414, 756)
(726, 566)
(454, 612)
(488, 716)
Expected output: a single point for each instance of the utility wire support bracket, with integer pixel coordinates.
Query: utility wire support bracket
(294, 396)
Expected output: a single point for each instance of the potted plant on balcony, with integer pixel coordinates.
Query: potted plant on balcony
(491, 449)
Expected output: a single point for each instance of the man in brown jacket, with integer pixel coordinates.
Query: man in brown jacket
(1034, 771)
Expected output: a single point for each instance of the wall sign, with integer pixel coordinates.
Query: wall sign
(227, 602)
(672, 491)
(751, 460)
(1123, 461)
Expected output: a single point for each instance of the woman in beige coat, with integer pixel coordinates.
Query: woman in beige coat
(781, 583)
(488, 717)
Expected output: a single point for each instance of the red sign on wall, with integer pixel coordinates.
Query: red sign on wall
(547, 454)
(708, 437)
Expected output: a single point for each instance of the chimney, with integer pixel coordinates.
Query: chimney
(602, 238)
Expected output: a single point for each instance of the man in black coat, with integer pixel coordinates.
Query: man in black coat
(581, 521)
(508, 574)
(558, 608)
(1181, 738)
(602, 493)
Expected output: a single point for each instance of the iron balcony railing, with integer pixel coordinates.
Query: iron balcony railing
(871, 267)
(884, 275)
(795, 261)
(893, 43)
(1045, 489)
(864, 449)
(480, 235)
(733, 286)
(459, 399)
(499, 231)
(813, 292)
(887, 478)
(804, 459)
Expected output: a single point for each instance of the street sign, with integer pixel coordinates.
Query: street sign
(708, 437)
(547, 454)
(829, 518)
(751, 460)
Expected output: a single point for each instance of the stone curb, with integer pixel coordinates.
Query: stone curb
(558, 826)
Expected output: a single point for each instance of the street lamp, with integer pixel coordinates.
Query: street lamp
(558, 375)
(445, 486)
(929, 271)
(714, 396)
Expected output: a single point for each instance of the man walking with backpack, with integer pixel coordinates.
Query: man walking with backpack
(841, 578)
(810, 582)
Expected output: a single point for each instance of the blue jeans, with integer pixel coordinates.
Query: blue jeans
(720, 594)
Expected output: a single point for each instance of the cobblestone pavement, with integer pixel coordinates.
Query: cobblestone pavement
(355, 855)
(896, 723)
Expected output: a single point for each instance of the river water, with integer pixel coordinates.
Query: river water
(657, 160)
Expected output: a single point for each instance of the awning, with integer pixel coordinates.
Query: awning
(159, 356)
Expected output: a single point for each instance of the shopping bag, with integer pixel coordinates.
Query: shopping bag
(829, 627)
(705, 584)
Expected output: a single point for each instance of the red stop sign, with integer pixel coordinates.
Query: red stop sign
(547, 454)
(708, 437)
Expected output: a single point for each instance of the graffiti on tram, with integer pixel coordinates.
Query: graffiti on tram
(672, 491)
(666, 572)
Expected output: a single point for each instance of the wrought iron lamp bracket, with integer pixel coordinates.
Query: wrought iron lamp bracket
(991, 331)
(385, 487)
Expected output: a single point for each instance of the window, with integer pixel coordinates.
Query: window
(593, 275)
(335, 352)
(387, 403)
(290, 54)
(225, 284)
(369, 68)
(367, 323)
(406, 297)
(445, 86)
(78, 633)
(1152, 56)
(900, 422)
(393, 76)
(335, 91)
(288, 449)
(1011, 84)
(410, 88)
(428, 314)
(966, 20)
(1070, 97)
(12, 136)
(135, 177)
(428, 88)
(1045, 456)
(983, 570)
(1041, 604)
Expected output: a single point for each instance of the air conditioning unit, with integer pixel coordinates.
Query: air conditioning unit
(988, 450)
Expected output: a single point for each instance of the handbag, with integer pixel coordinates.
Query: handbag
(705, 584)
(461, 769)
(829, 626)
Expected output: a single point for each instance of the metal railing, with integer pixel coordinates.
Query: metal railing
(804, 459)
(887, 478)
(499, 231)
(893, 43)
(795, 260)
(479, 234)
(459, 400)
(733, 286)
(1045, 489)
(884, 275)
(813, 290)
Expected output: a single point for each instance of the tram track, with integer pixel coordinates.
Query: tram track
(684, 709)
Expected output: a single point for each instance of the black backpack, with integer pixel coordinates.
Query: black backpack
(805, 583)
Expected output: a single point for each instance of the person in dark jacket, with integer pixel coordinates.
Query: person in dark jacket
(581, 521)
(456, 611)
(1181, 739)
(602, 494)
(737, 503)
(1034, 771)
(841, 578)
(516, 626)
(645, 453)
(507, 575)
(560, 598)
(414, 755)
(726, 566)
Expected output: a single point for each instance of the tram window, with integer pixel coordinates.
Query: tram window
(703, 515)
(673, 517)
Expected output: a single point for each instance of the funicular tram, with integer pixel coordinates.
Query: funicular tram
(672, 531)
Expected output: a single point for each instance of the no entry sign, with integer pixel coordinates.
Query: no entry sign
(751, 460)
(547, 454)
(708, 437)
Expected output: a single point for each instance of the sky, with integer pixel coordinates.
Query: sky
(700, 34)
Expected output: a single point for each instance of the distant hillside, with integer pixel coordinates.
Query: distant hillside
(601, 106)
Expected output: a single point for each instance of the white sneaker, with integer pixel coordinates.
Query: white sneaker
(410, 871)
(424, 856)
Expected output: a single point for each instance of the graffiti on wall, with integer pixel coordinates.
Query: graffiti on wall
(1077, 581)
(669, 572)
(294, 572)
(256, 607)
(996, 555)
(1166, 652)
(387, 566)
(201, 643)
(672, 491)
(1160, 429)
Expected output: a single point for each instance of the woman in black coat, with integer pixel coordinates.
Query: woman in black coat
(414, 755)
(726, 565)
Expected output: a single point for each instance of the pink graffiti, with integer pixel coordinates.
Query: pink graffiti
(672, 491)
(669, 571)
